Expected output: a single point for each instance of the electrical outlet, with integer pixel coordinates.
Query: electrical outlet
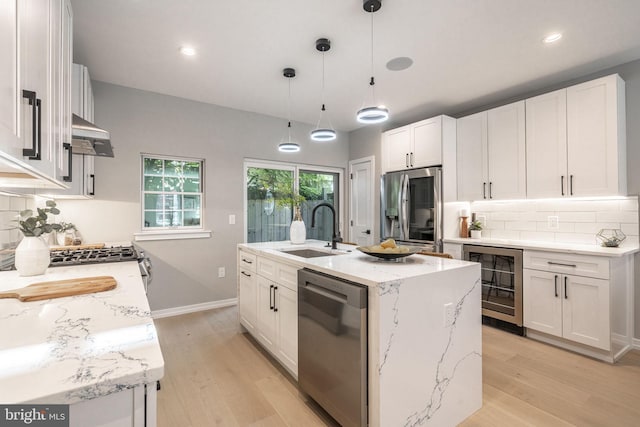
(449, 314)
(482, 219)
(221, 272)
(232, 219)
(552, 222)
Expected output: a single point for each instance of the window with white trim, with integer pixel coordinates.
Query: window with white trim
(172, 193)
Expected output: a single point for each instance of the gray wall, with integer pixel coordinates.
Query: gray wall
(185, 271)
(366, 141)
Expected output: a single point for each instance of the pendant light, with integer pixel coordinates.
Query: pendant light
(286, 145)
(323, 134)
(375, 113)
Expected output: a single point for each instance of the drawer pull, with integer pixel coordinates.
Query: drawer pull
(565, 289)
(555, 284)
(559, 263)
(247, 261)
(246, 274)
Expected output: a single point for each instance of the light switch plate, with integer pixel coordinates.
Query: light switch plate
(221, 272)
(552, 222)
(232, 219)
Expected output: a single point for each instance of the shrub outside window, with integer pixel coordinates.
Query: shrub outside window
(172, 192)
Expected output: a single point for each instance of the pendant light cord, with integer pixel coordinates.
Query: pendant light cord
(372, 83)
(289, 112)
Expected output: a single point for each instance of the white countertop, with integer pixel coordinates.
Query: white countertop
(573, 248)
(354, 265)
(70, 349)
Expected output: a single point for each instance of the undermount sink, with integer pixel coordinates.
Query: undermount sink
(309, 253)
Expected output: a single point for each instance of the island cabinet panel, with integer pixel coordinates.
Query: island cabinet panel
(134, 407)
(582, 300)
(268, 302)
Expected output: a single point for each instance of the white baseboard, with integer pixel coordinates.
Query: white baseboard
(636, 343)
(176, 311)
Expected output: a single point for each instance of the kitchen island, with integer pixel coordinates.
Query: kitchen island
(424, 327)
(97, 352)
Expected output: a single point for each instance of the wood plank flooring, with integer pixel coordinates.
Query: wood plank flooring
(217, 376)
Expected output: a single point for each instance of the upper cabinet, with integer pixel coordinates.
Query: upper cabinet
(35, 79)
(491, 160)
(416, 145)
(576, 141)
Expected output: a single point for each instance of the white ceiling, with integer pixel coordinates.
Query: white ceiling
(463, 50)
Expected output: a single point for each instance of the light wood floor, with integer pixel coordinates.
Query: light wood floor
(216, 376)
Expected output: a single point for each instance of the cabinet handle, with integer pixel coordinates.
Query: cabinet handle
(275, 288)
(69, 177)
(248, 275)
(271, 294)
(562, 184)
(32, 153)
(490, 190)
(565, 288)
(555, 285)
(248, 261)
(484, 190)
(93, 185)
(406, 159)
(411, 157)
(571, 185)
(562, 264)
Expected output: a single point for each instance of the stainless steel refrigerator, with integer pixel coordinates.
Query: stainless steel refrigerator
(411, 207)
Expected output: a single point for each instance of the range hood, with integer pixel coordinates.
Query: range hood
(89, 139)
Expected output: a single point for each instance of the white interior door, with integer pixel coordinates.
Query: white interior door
(362, 207)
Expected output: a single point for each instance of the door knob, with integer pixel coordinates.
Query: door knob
(366, 232)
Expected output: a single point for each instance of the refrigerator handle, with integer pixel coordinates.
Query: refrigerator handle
(438, 230)
(404, 196)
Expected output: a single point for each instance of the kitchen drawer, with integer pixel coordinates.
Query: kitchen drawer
(578, 265)
(246, 261)
(288, 277)
(267, 268)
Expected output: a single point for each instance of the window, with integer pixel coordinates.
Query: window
(269, 208)
(172, 192)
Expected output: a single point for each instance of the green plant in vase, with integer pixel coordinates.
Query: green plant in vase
(32, 254)
(35, 225)
(475, 229)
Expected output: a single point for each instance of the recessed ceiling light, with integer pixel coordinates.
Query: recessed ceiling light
(400, 63)
(552, 38)
(187, 51)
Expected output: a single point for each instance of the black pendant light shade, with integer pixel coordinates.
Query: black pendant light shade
(373, 113)
(287, 145)
(320, 133)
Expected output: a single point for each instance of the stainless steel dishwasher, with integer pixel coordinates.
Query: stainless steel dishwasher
(332, 345)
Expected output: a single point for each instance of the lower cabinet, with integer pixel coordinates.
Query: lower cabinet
(133, 407)
(268, 305)
(580, 302)
(567, 306)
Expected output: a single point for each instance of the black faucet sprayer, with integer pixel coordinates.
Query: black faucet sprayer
(335, 237)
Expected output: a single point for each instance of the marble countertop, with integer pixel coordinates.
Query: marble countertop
(573, 248)
(351, 264)
(66, 350)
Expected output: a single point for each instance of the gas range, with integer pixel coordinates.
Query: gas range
(94, 256)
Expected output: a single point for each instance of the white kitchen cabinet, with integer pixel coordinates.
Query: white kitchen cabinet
(576, 141)
(491, 160)
(134, 407)
(268, 302)
(582, 300)
(9, 140)
(35, 43)
(417, 145)
(247, 290)
(596, 137)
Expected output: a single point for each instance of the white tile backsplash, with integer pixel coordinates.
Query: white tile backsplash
(10, 236)
(578, 220)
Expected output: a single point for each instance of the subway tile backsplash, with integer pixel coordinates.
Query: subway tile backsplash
(578, 221)
(10, 235)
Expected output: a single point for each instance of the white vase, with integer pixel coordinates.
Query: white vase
(32, 256)
(297, 231)
(476, 234)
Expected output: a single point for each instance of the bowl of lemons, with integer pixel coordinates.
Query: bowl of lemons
(389, 250)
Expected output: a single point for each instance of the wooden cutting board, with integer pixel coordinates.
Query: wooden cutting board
(75, 247)
(61, 288)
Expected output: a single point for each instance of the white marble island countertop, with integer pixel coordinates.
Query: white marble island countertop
(351, 264)
(71, 349)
